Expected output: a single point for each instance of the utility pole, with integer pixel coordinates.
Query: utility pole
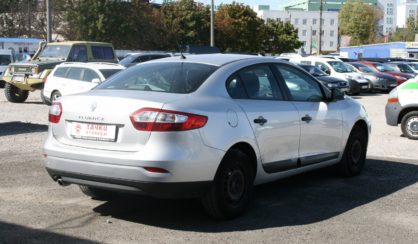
(48, 21)
(29, 20)
(320, 29)
(212, 24)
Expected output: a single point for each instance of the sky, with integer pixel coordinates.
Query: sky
(274, 4)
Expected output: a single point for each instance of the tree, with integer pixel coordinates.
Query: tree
(359, 21)
(410, 30)
(280, 37)
(185, 22)
(238, 29)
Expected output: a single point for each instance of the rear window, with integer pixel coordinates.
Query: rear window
(109, 72)
(100, 52)
(5, 59)
(161, 77)
(60, 72)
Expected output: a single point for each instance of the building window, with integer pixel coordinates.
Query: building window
(278, 19)
(304, 43)
(331, 33)
(331, 21)
(303, 32)
(314, 21)
(314, 32)
(322, 33)
(331, 44)
(304, 21)
(389, 11)
(296, 21)
(322, 22)
(412, 13)
(389, 20)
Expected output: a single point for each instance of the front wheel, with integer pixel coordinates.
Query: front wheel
(14, 94)
(354, 157)
(409, 125)
(232, 187)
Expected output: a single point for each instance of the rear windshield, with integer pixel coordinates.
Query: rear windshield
(100, 52)
(161, 77)
(5, 59)
(109, 72)
(55, 51)
(339, 67)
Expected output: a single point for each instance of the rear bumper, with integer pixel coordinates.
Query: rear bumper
(155, 189)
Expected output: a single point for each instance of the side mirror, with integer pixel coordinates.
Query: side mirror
(328, 71)
(336, 94)
(96, 80)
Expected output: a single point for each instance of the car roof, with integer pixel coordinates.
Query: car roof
(93, 65)
(211, 59)
(79, 42)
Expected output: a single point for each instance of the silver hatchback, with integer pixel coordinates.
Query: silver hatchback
(207, 126)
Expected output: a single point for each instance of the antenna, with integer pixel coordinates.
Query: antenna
(181, 52)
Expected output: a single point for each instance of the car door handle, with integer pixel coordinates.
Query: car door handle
(260, 120)
(307, 118)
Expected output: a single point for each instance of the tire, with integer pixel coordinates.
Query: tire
(14, 94)
(354, 157)
(43, 98)
(409, 125)
(2, 83)
(55, 95)
(96, 193)
(232, 187)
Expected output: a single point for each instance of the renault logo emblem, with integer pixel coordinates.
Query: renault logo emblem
(93, 106)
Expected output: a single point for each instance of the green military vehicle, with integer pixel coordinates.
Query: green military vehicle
(28, 76)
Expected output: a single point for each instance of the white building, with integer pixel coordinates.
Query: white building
(387, 23)
(405, 9)
(307, 23)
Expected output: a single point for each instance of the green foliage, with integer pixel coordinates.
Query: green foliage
(280, 37)
(185, 22)
(238, 29)
(359, 21)
(411, 29)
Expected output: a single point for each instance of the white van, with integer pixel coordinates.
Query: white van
(338, 69)
(6, 57)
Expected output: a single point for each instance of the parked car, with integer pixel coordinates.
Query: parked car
(6, 57)
(136, 58)
(338, 69)
(23, 77)
(403, 67)
(71, 78)
(207, 126)
(383, 67)
(402, 108)
(330, 82)
(378, 81)
(414, 66)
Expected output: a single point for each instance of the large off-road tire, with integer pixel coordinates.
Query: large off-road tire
(96, 193)
(232, 187)
(354, 157)
(409, 125)
(14, 94)
(43, 98)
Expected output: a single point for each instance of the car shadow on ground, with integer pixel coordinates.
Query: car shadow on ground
(299, 200)
(12, 233)
(16, 127)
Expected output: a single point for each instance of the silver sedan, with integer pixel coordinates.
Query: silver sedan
(207, 126)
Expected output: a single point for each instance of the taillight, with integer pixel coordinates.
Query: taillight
(55, 112)
(393, 100)
(151, 119)
(156, 170)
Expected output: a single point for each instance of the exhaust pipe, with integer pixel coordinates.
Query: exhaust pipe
(62, 183)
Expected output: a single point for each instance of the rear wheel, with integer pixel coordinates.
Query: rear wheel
(55, 95)
(96, 193)
(14, 94)
(232, 188)
(354, 157)
(409, 125)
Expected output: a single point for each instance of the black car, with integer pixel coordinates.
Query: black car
(330, 82)
(378, 81)
(135, 58)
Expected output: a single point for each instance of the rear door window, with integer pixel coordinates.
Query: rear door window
(78, 53)
(89, 75)
(100, 52)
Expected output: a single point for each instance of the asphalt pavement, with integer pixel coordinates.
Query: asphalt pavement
(379, 206)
